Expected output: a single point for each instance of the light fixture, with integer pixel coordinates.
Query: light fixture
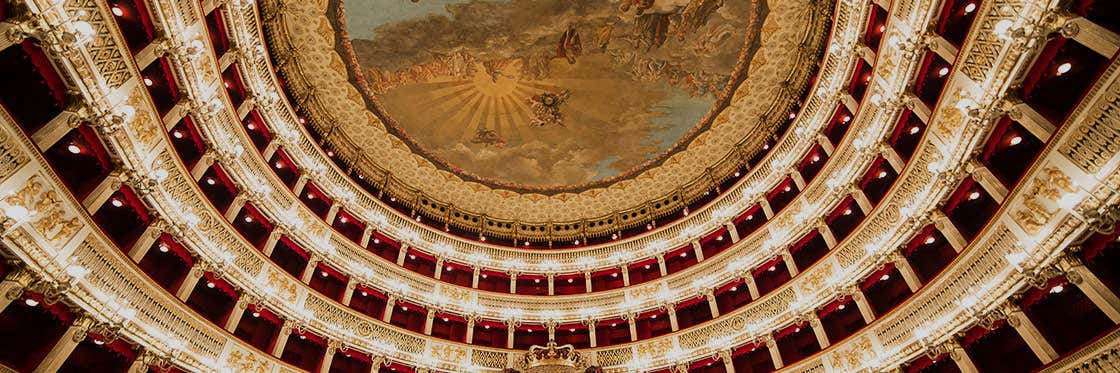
(177, 134)
(969, 8)
(684, 254)
(734, 288)
(816, 158)
(841, 307)
(251, 126)
(1057, 289)
(117, 11)
(1015, 140)
(885, 277)
(882, 174)
(31, 302)
(116, 202)
(847, 211)
(248, 219)
(73, 149)
(323, 273)
(914, 130)
(930, 240)
(772, 268)
(163, 248)
(1064, 68)
(210, 284)
(973, 195)
(943, 71)
(148, 82)
(256, 314)
(210, 181)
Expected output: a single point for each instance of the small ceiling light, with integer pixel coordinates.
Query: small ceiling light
(536, 280)
(736, 173)
(177, 134)
(1015, 140)
(615, 274)
(31, 302)
(526, 243)
(248, 219)
(570, 280)
(786, 188)
(772, 268)
(210, 181)
(330, 153)
(448, 269)
(797, 330)
(148, 82)
(882, 174)
(750, 217)
(816, 158)
(376, 241)
(846, 119)
(365, 294)
(98, 342)
(647, 266)
(654, 316)
(117, 202)
(117, 11)
(885, 277)
(974, 195)
(792, 115)
(487, 327)
(1057, 289)
(302, 121)
(882, 28)
(227, 84)
(766, 147)
(1064, 68)
(256, 314)
(720, 238)
(943, 71)
(73, 149)
(210, 284)
(163, 248)
(841, 307)
(930, 240)
(684, 254)
(445, 319)
(971, 7)
(323, 273)
(251, 126)
(847, 211)
(404, 308)
(576, 242)
(410, 256)
(301, 336)
(484, 275)
(734, 288)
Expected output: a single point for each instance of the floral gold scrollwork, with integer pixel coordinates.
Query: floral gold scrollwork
(284, 288)
(50, 220)
(447, 352)
(1049, 186)
(240, 361)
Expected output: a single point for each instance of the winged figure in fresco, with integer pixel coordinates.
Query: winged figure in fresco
(488, 137)
(546, 108)
(570, 45)
(656, 19)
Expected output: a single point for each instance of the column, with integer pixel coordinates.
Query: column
(439, 268)
(825, 144)
(625, 275)
(775, 355)
(892, 157)
(1091, 35)
(752, 286)
(633, 327)
(861, 303)
(947, 229)
(270, 244)
(987, 180)
(101, 193)
(188, 284)
(475, 274)
(590, 324)
(74, 335)
(1026, 329)
(728, 364)
(672, 312)
(402, 254)
(513, 282)
(1091, 285)
(471, 319)
(142, 363)
(390, 304)
(348, 294)
(236, 206)
(57, 127)
(587, 282)
(11, 288)
(309, 270)
(236, 314)
(712, 305)
(282, 339)
(143, 244)
(551, 284)
(366, 235)
(906, 271)
(826, 233)
(429, 319)
(270, 149)
(960, 357)
(661, 265)
(766, 209)
(301, 182)
(1032, 120)
(510, 327)
(328, 357)
(732, 231)
(818, 330)
(203, 164)
(332, 213)
(861, 199)
(697, 250)
(787, 257)
(798, 180)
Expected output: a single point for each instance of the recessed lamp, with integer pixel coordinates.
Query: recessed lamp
(31, 302)
(445, 319)
(570, 280)
(772, 268)
(973, 195)
(376, 240)
(323, 273)
(930, 240)
(536, 280)
(256, 314)
(614, 274)
(798, 330)
(882, 174)
(1015, 140)
(841, 307)
(486, 327)
(279, 165)
(148, 82)
(301, 336)
(647, 266)
(914, 130)
(117, 202)
(410, 256)
(786, 188)
(177, 134)
(251, 126)
(1057, 289)
(163, 248)
(734, 288)
(484, 275)
(971, 7)
(816, 158)
(117, 11)
(210, 181)
(448, 269)
(847, 211)
(73, 149)
(210, 284)
(846, 119)
(364, 294)
(248, 219)
(882, 28)
(720, 238)
(684, 255)
(653, 317)
(885, 277)
(943, 71)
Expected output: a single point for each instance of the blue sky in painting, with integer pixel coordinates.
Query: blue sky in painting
(362, 16)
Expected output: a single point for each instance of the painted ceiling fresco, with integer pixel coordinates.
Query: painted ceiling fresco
(549, 92)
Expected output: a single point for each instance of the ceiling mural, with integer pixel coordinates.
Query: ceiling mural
(549, 92)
